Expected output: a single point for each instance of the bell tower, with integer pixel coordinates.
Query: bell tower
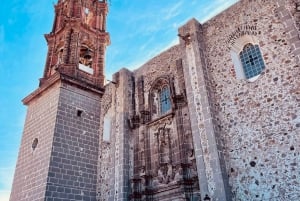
(77, 43)
(59, 148)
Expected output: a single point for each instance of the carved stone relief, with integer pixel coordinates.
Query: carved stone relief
(164, 145)
(164, 170)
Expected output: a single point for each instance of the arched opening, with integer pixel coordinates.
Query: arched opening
(247, 58)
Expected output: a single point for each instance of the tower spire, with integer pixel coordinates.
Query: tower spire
(79, 29)
(59, 148)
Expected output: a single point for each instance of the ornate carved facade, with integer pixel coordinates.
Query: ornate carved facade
(215, 117)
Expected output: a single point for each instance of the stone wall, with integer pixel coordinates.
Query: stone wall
(237, 138)
(105, 181)
(162, 65)
(32, 167)
(72, 172)
(258, 122)
(116, 150)
(165, 172)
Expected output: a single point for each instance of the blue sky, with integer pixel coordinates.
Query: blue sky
(139, 29)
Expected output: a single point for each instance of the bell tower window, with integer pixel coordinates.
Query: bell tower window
(86, 60)
(78, 51)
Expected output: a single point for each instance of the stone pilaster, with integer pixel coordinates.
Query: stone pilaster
(122, 132)
(290, 23)
(210, 173)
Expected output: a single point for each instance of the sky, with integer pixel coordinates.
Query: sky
(139, 30)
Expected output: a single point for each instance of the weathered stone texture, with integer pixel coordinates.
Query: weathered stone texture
(222, 136)
(259, 121)
(198, 90)
(32, 167)
(166, 174)
(116, 158)
(160, 66)
(72, 171)
(240, 125)
(105, 173)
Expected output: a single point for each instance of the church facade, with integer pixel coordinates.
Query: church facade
(216, 117)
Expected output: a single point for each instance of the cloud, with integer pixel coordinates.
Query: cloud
(4, 195)
(214, 9)
(159, 48)
(6, 174)
(172, 11)
(6, 177)
(146, 44)
(153, 28)
(164, 47)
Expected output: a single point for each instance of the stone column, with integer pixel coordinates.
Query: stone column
(210, 175)
(122, 134)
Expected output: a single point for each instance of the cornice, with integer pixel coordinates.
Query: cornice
(60, 77)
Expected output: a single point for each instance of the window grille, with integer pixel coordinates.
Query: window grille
(252, 60)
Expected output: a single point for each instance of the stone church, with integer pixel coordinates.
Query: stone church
(215, 117)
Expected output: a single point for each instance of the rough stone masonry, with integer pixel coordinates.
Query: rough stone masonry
(187, 125)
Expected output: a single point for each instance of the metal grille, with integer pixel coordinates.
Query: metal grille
(252, 61)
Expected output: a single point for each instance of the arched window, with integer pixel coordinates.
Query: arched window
(252, 61)
(247, 58)
(165, 102)
(160, 98)
(86, 59)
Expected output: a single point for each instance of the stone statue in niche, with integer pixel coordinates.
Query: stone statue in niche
(169, 176)
(190, 155)
(164, 145)
(60, 56)
(160, 175)
(165, 174)
(142, 170)
(188, 141)
(165, 171)
(88, 16)
(192, 162)
(178, 173)
(57, 59)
